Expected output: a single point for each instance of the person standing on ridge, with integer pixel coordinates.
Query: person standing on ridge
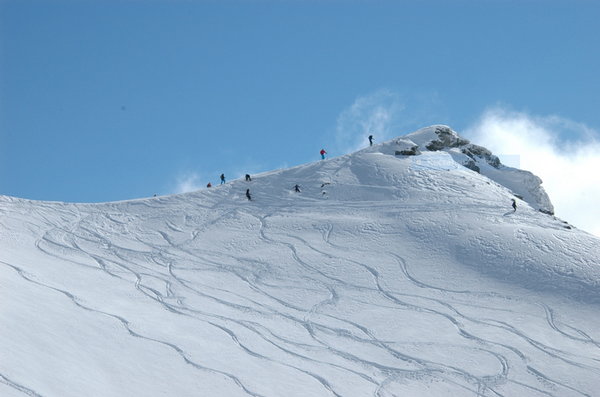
(209, 185)
(323, 153)
(222, 179)
(248, 195)
(514, 205)
(248, 179)
(370, 140)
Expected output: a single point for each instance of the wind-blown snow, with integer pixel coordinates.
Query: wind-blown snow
(385, 276)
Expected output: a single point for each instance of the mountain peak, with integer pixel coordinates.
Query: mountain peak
(441, 138)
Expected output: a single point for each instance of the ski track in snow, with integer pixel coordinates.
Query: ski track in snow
(264, 299)
(439, 303)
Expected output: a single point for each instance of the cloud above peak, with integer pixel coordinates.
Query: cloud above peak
(374, 114)
(188, 182)
(385, 114)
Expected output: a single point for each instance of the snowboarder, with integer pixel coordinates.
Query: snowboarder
(222, 179)
(514, 205)
(209, 185)
(248, 195)
(248, 179)
(297, 188)
(323, 153)
(371, 140)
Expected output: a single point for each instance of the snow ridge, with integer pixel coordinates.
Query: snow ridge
(387, 275)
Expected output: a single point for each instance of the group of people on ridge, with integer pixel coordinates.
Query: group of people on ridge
(296, 187)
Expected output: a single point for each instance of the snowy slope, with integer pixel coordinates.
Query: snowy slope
(385, 276)
(523, 184)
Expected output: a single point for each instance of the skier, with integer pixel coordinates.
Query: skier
(222, 179)
(371, 140)
(209, 185)
(323, 153)
(248, 179)
(297, 188)
(514, 205)
(248, 195)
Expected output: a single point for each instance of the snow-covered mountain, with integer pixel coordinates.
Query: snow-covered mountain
(398, 270)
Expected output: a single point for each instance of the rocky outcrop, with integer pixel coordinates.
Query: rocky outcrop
(478, 159)
(407, 148)
(447, 138)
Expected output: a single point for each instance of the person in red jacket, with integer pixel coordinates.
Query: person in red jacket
(323, 153)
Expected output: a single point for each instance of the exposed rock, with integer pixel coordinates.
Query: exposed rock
(481, 154)
(407, 148)
(477, 150)
(409, 152)
(447, 138)
(434, 146)
(450, 139)
(472, 166)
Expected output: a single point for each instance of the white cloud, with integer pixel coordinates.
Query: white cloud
(188, 183)
(385, 114)
(374, 114)
(565, 154)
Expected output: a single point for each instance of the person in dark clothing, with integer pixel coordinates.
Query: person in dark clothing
(514, 204)
(248, 179)
(209, 185)
(297, 188)
(371, 140)
(222, 179)
(248, 195)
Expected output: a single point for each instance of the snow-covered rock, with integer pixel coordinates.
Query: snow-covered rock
(524, 184)
(406, 147)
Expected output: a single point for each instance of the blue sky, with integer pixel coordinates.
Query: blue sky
(115, 100)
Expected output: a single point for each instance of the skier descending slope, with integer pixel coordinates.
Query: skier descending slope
(248, 195)
(514, 204)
